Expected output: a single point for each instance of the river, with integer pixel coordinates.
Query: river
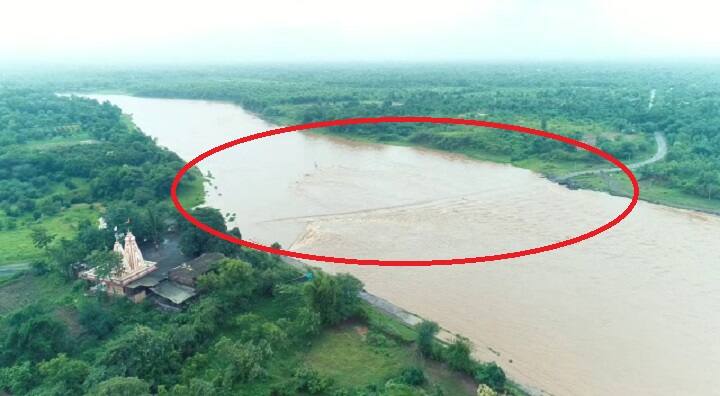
(634, 311)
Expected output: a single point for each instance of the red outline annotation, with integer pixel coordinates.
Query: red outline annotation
(434, 120)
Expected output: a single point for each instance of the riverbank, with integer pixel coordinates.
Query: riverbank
(579, 175)
(346, 202)
(650, 191)
(411, 320)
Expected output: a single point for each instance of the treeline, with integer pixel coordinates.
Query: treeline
(60, 151)
(690, 116)
(577, 100)
(567, 99)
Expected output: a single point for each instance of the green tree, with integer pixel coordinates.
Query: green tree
(18, 379)
(142, 352)
(154, 220)
(414, 376)
(426, 332)
(457, 355)
(233, 283)
(65, 254)
(121, 386)
(94, 238)
(490, 374)
(307, 323)
(194, 241)
(41, 237)
(32, 334)
(311, 381)
(335, 298)
(709, 182)
(196, 387)
(63, 376)
(241, 362)
(106, 263)
(97, 320)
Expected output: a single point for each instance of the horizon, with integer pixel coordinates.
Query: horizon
(80, 32)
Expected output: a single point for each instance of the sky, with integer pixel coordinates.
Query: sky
(224, 31)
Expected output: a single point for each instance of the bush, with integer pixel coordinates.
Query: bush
(335, 298)
(457, 355)
(377, 339)
(17, 379)
(121, 386)
(32, 334)
(484, 390)
(413, 376)
(241, 362)
(311, 381)
(195, 388)
(396, 389)
(286, 388)
(426, 332)
(39, 267)
(63, 376)
(490, 374)
(96, 320)
(141, 352)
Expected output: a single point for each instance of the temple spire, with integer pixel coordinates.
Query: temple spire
(132, 253)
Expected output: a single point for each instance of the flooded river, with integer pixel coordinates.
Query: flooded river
(634, 311)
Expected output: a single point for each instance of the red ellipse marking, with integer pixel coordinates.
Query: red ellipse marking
(432, 120)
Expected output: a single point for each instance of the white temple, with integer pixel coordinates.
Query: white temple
(133, 267)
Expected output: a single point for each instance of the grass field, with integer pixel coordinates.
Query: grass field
(25, 290)
(343, 355)
(619, 185)
(16, 245)
(192, 193)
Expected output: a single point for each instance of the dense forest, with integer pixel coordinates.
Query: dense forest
(259, 326)
(616, 107)
(60, 156)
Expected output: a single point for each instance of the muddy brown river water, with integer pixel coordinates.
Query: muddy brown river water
(634, 311)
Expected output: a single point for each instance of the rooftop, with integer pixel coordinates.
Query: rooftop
(188, 272)
(174, 292)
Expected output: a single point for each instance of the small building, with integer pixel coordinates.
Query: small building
(179, 288)
(172, 296)
(132, 268)
(138, 290)
(188, 273)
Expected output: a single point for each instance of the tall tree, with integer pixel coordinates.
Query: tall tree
(335, 298)
(106, 263)
(41, 237)
(142, 352)
(66, 254)
(233, 283)
(426, 332)
(63, 376)
(194, 241)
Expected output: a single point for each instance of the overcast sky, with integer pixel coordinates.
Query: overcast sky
(220, 31)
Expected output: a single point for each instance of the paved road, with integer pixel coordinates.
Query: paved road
(661, 152)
